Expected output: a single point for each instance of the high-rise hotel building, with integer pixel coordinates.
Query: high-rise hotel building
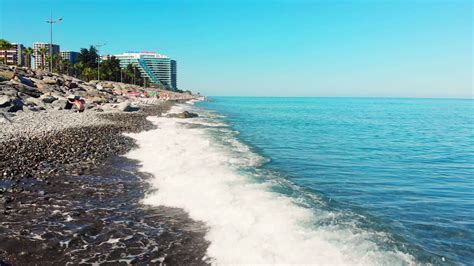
(160, 69)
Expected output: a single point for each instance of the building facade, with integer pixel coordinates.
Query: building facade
(40, 60)
(70, 56)
(15, 55)
(174, 74)
(160, 69)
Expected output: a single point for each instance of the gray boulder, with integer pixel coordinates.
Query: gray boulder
(60, 103)
(91, 105)
(126, 107)
(32, 109)
(48, 98)
(184, 114)
(7, 90)
(34, 102)
(4, 101)
(50, 80)
(6, 75)
(70, 84)
(30, 91)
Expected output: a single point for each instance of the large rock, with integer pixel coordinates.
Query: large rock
(25, 81)
(16, 105)
(91, 105)
(60, 103)
(50, 80)
(184, 114)
(4, 101)
(41, 85)
(34, 102)
(107, 85)
(8, 90)
(127, 107)
(42, 73)
(70, 84)
(30, 91)
(48, 98)
(97, 99)
(80, 93)
(6, 75)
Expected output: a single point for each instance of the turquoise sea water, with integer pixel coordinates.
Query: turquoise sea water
(400, 166)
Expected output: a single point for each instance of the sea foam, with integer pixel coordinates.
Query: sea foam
(248, 223)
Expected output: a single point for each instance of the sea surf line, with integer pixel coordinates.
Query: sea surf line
(198, 165)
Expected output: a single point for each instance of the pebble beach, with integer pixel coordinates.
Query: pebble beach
(66, 195)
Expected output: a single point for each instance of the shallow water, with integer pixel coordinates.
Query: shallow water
(395, 174)
(273, 187)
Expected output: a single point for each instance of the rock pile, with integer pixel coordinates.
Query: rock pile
(24, 89)
(184, 114)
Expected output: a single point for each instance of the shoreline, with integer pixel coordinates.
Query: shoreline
(63, 189)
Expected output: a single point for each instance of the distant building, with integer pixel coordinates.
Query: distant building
(15, 55)
(39, 60)
(106, 57)
(160, 69)
(174, 74)
(70, 56)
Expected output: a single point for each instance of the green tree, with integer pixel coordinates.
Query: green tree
(77, 68)
(110, 69)
(48, 58)
(86, 68)
(42, 51)
(88, 73)
(64, 66)
(5, 46)
(133, 75)
(28, 53)
(88, 57)
(56, 62)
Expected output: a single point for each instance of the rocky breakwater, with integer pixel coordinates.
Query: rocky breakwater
(27, 90)
(65, 196)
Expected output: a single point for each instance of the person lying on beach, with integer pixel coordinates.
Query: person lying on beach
(76, 102)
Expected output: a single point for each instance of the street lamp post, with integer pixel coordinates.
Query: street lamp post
(97, 46)
(51, 22)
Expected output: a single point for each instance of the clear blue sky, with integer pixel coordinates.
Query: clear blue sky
(404, 48)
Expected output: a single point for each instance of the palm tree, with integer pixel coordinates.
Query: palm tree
(43, 51)
(88, 73)
(28, 53)
(78, 67)
(64, 65)
(56, 62)
(5, 46)
(48, 59)
(88, 57)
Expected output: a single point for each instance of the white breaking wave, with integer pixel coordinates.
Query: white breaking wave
(248, 224)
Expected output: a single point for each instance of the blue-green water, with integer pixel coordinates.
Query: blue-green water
(406, 166)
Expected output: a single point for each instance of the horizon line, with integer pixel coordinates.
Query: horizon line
(370, 97)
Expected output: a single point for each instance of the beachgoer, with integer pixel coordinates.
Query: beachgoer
(76, 102)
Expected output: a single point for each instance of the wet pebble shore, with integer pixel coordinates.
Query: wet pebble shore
(66, 197)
